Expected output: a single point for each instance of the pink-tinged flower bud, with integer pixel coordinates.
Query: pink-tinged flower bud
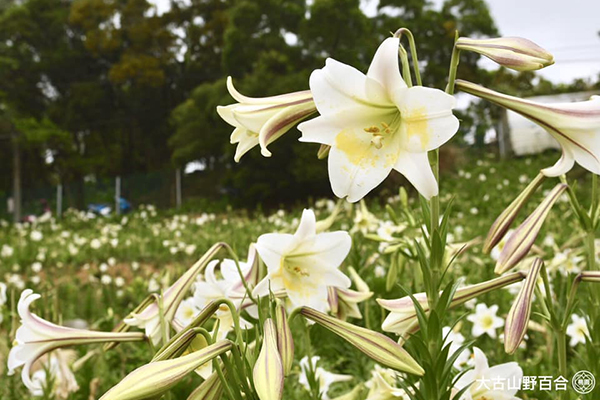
(268, 370)
(285, 341)
(261, 121)
(504, 220)
(518, 316)
(575, 126)
(511, 52)
(375, 345)
(403, 320)
(590, 276)
(522, 239)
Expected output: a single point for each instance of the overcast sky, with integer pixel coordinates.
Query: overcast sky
(566, 28)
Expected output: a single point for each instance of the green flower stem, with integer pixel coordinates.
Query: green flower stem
(413, 52)
(590, 241)
(164, 327)
(561, 339)
(453, 67)
(405, 66)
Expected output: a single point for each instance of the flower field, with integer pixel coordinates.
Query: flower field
(91, 272)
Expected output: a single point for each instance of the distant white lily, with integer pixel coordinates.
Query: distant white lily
(485, 320)
(36, 337)
(374, 123)
(263, 120)
(322, 376)
(577, 330)
(304, 264)
(575, 126)
(501, 382)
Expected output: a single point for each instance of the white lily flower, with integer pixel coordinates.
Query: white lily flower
(230, 288)
(456, 340)
(382, 385)
(577, 330)
(36, 337)
(63, 380)
(485, 320)
(149, 318)
(501, 382)
(374, 123)
(263, 120)
(324, 377)
(575, 126)
(304, 264)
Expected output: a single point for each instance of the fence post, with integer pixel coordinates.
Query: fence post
(59, 200)
(178, 187)
(118, 195)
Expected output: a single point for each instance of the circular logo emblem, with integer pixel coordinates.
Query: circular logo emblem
(583, 382)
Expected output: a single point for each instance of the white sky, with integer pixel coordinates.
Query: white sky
(566, 28)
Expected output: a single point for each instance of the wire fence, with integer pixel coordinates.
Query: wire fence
(163, 189)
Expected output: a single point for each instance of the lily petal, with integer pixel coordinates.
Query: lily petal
(416, 168)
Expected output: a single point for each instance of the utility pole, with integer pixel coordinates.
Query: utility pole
(178, 187)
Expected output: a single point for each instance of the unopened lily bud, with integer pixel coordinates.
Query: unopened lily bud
(285, 341)
(522, 239)
(511, 52)
(210, 389)
(403, 320)
(590, 276)
(323, 151)
(379, 347)
(176, 346)
(504, 220)
(517, 319)
(268, 370)
(153, 379)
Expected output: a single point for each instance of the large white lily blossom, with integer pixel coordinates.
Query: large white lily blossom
(261, 121)
(304, 264)
(575, 126)
(499, 382)
(36, 337)
(375, 123)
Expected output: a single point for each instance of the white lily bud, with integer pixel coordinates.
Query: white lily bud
(157, 377)
(268, 370)
(511, 52)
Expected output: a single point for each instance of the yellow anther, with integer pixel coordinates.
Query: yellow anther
(372, 129)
